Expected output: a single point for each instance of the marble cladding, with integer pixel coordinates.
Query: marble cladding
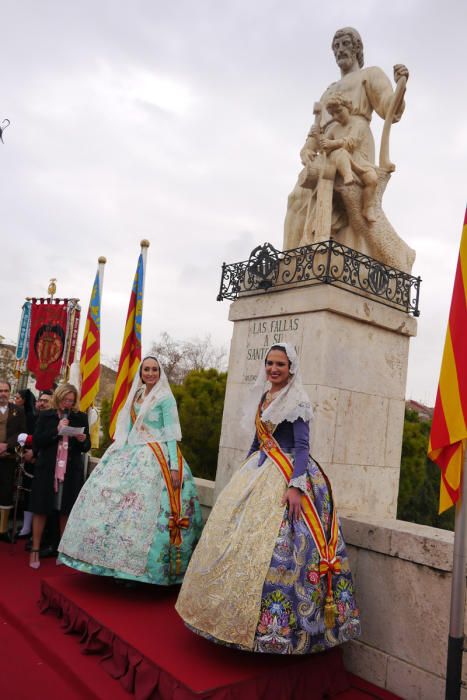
(353, 354)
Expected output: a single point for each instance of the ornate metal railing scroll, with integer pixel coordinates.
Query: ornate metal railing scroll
(327, 262)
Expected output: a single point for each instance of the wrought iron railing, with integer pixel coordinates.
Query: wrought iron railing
(327, 262)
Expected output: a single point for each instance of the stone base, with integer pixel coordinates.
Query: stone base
(353, 354)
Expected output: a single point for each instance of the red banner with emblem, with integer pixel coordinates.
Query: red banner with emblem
(47, 341)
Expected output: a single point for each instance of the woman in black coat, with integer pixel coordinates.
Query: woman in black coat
(59, 472)
(26, 399)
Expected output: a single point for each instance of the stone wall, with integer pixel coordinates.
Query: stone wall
(402, 574)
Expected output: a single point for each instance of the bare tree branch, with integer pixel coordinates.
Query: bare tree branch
(179, 357)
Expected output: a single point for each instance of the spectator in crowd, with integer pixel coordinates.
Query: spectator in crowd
(12, 422)
(43, 402)
(26, 399)
(59, 473)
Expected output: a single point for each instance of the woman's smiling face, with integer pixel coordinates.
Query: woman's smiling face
(277, 368)
(150, 372)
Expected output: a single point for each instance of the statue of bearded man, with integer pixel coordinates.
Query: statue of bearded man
(369, 90)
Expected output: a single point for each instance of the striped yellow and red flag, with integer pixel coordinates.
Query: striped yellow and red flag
(130, 355)
(449, 428)
(90, 351)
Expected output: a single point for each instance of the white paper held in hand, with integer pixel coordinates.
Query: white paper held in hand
(70, 431)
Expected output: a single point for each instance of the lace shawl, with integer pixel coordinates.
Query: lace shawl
(291, 402)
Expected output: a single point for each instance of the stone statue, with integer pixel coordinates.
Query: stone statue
(339, 191)
(342, 141)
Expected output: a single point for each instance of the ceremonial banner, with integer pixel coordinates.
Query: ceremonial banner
(47, 341)
(74, 328)
(449, 427)
(130, 355)
(22, 345)
(90, 350)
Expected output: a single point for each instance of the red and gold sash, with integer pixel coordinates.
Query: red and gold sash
(177, 521)
(330, 563)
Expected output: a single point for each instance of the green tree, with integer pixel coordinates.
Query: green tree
(419, 478)
(200, 400)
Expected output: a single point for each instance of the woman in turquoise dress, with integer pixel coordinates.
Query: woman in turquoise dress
(138, 516)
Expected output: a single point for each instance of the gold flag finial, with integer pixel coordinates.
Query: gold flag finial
(52, 288)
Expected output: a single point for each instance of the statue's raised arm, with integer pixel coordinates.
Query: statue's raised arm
(5, 123)
(400, 71)
(326, 201)
(401, 75)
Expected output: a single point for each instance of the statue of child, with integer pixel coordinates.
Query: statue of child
(341, 143)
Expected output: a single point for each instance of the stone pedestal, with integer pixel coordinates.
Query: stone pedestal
(353, 354)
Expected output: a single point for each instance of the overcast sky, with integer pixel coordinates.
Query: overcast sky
(181, 122)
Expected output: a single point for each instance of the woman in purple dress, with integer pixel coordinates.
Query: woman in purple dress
(271, 573)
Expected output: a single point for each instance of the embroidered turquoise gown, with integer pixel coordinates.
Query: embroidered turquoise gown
(119, 525)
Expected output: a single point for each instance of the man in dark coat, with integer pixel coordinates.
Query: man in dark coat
(12, 422)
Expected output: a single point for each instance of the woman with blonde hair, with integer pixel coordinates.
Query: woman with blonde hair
(138, 516)
(59, 471)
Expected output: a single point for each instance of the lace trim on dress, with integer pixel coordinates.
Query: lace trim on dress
(299, 482)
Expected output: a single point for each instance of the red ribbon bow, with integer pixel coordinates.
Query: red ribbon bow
(176, 524)
(334, 566)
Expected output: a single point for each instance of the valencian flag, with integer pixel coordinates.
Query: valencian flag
(90, 351)
(130, 355)
(449, 427)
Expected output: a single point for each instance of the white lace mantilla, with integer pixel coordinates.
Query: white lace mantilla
(144, 429)
(290, 403)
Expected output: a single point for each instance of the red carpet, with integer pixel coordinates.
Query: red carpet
(37, 660)
(23, 673)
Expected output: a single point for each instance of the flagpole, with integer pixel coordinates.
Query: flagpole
(456, 619)
(144, 254)
(102, 260)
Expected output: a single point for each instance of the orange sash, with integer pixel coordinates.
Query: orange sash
(330, 563)
(177, 522)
